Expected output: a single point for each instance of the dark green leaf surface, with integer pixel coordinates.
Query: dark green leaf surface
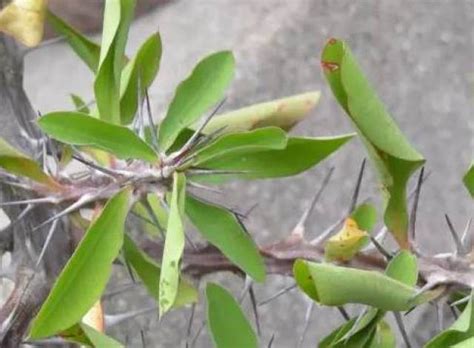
(137, 76)
(226, 322)
(117, 18)
(299, 155)
(222, 229)
(149, 272)
(84, 277)
(335, 286)
(80, 129)
(283, 113)
(460, 333)
(238, 144)
(468, 180)
(204, 88)
(16, 162)
(394, 158)
(174, 246)
(86, 49)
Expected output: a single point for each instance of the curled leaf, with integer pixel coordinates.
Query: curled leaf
(393, 156)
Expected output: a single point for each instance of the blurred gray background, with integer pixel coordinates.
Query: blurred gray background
(418, 54)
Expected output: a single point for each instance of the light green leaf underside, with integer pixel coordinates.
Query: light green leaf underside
(174, 246)
(76, 128)
(283, 113)
(85, 276)
(226, 322)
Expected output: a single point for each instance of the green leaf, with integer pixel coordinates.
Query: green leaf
(99, 339)
(137, 76)
(283, 113)
(394, 158)
(85, 276)
(468, 179)
(226, 322)
(335, 286)
(366, 216)
(299, 155)
(459, 333)
(404, 268)
(384, 337)
(195, 95)
(86, 49)
(149, 272)
(118, 15)
(80, 104)
(76, 128)
(174, 245)
(223, 230)
(237, 144)
(17, 163)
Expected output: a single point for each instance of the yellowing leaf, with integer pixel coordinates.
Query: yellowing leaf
(24, 20)
(346, 243)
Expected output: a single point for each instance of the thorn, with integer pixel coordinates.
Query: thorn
(461, 301)
(270, 343)
(151, 123)
(195, 137)
(465, 233)
(459, 246)
(87, 198)
(355, 195)
(153, 217)
(92, 165)
(344, 313)
(41, 200)
(204, 187)
(204, 171)
(20, 216)
(401, 327)
(130, 271)
(253, 301)
(143, 338)
(327, 232)
(120, 290)
(307, 318)
(190, 325)
(380, 248)
(198, 333)
(46, 242)
(414, 209)
(115, 319)
(379, 237)
(277, 294)
(247, 284)
(453, 312)
(440, 316)
(299, 229)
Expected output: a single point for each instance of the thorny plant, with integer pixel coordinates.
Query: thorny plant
(156, 173)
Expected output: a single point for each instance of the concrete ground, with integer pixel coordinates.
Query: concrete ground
(418, 54)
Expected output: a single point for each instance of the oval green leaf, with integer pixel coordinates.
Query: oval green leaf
(195, 95)
(235, 144)
(76, 128)
(85, 276)
(299, 155)
(137, 76)
(226, 322)
(468, 179)
(223, 230)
